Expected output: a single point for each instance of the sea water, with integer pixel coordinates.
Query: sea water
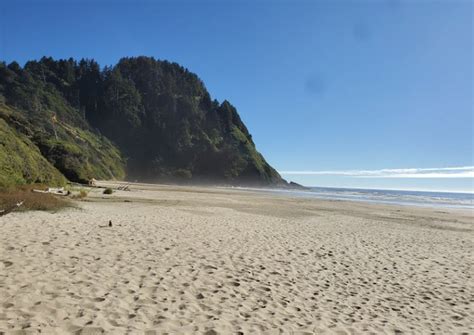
(414, 198)
(411, 198)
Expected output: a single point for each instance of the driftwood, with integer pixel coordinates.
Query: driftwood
(11, 209)
(55, 191)
(124, 187)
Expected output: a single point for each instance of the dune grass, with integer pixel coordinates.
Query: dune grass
(81, 194)
(31, 200)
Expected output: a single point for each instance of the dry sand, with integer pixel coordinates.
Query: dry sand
(215, 261)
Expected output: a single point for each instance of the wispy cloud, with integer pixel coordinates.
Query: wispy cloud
(447, 172)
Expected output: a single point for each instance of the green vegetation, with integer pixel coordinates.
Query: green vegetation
(21, 161)
(37, 105)
(159, 116)
(108, 191)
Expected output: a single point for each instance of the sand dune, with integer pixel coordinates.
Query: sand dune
(214, 261)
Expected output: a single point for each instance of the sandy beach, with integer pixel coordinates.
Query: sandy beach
(195, 260)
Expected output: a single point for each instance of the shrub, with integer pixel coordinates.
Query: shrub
(82, 194)
(183, 174)
(108, 190)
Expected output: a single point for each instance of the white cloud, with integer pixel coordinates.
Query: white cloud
(448, 172)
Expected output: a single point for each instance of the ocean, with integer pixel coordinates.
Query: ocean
(410, 198)
(414, 198)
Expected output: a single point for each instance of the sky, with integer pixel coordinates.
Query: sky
(328, 89)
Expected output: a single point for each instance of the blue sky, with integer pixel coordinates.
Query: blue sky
(322, 85)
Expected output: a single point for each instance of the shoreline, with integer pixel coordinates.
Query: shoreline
(313, 195)
(289, 194)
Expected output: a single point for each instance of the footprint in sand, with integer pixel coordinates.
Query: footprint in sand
(7, 263)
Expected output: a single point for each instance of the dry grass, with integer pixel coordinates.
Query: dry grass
(81, 195)
(31, 200)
